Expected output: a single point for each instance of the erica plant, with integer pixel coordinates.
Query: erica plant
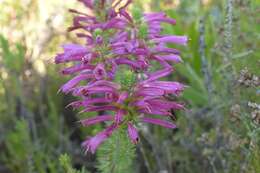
(118, 73)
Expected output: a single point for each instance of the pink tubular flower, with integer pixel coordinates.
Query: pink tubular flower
(171, 39)
(114, 44)
(71, 54)
(95, 120)
(153, 21)
(73, 82)
(163, 123)
(160, 106)
(76, 68)
(171, 57)
(93, 143)
(167, 86)
(100, 72)
(132, 132)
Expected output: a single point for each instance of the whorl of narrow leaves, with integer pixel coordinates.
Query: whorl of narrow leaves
(116, 155)
(126, 78)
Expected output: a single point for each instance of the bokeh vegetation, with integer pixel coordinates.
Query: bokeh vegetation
(218, 133)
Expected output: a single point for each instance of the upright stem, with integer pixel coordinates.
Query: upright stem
(205, 67)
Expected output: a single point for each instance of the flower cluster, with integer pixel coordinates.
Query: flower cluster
(118, 69)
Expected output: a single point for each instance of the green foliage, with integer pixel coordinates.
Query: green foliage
(137, 13)
(126, 78)
(18, 143)
(254, 160)
(65, 162)
(116, 154)
(13, 58)
(143, 31)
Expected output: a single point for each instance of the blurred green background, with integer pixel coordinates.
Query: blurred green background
(218, 133)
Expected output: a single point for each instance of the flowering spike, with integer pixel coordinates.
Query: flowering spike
(113, 70)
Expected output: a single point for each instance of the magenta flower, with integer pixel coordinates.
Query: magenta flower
(93, 143)
(153, 20)
(172, 57)
(72, 52)
(171, 39)
(74, 81)
(132, 132)
(163, 123)
(100, 72)
(112, 42)
(95, 120)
